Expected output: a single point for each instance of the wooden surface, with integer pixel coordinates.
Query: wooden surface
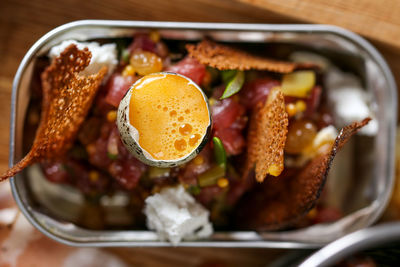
(23, 22)
(378, 20)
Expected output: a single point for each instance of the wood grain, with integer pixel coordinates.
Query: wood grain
(378, 20)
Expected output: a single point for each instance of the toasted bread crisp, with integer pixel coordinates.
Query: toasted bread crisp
(267, 137)
(225, 57)
(67, 98)
(288, 198)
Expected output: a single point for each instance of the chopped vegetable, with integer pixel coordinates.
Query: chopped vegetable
(234, 85)
(291, 109)
(154, 36)
(298, 84)
(145, 62)
(223, 182)
(190, 68)
(219, 152)
(301, 106)
(125, 55)
(198, 160)
(194, 190)
(227, 75)
(93, 176)
(128, 71)
(155, 172)
(112, 156)
(112, 115)
(211, 176)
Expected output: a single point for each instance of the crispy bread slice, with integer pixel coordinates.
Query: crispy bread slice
(67, 98)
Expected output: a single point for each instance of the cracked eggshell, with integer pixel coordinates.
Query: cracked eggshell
(130, 135)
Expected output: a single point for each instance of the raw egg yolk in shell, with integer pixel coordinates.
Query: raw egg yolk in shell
(170, 114)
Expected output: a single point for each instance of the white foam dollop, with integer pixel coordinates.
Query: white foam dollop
(176, 215)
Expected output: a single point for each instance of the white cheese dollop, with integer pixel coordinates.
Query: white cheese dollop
(350, 101)
(102, 55)
(176, 215)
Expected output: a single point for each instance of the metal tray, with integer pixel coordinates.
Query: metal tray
(378, 237)
(349, 50)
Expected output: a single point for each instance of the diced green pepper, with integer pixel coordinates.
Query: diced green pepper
(125, 55)
(112, 156)
(227, 75)
(211, 176)
(234, 85)
(194, 190)
(219, 151)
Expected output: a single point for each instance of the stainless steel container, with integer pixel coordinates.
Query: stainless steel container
(369, 196)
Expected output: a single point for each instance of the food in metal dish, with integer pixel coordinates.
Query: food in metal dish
(263, 166)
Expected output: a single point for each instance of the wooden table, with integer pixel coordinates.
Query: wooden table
(23, 22)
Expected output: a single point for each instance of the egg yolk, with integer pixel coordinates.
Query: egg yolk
(170, 115)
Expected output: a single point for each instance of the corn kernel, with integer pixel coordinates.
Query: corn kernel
(112, 115)
(93, 176)
(154, 36)
(274, 170)
(128, 71)
(223, 182)
(198, 160)
(312, 213)
(291, 109)
(91, 149)
(301, 106)
(211, 101)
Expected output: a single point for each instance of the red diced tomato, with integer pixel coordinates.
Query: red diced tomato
(127, 171)
(256, 91)
(55, 172)
(98, 150)
(232, 140)
(190, 68)
(208, 194)
(226, 112)
(228, 122)
(142, 42)
(116, 87)
(313, 100)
